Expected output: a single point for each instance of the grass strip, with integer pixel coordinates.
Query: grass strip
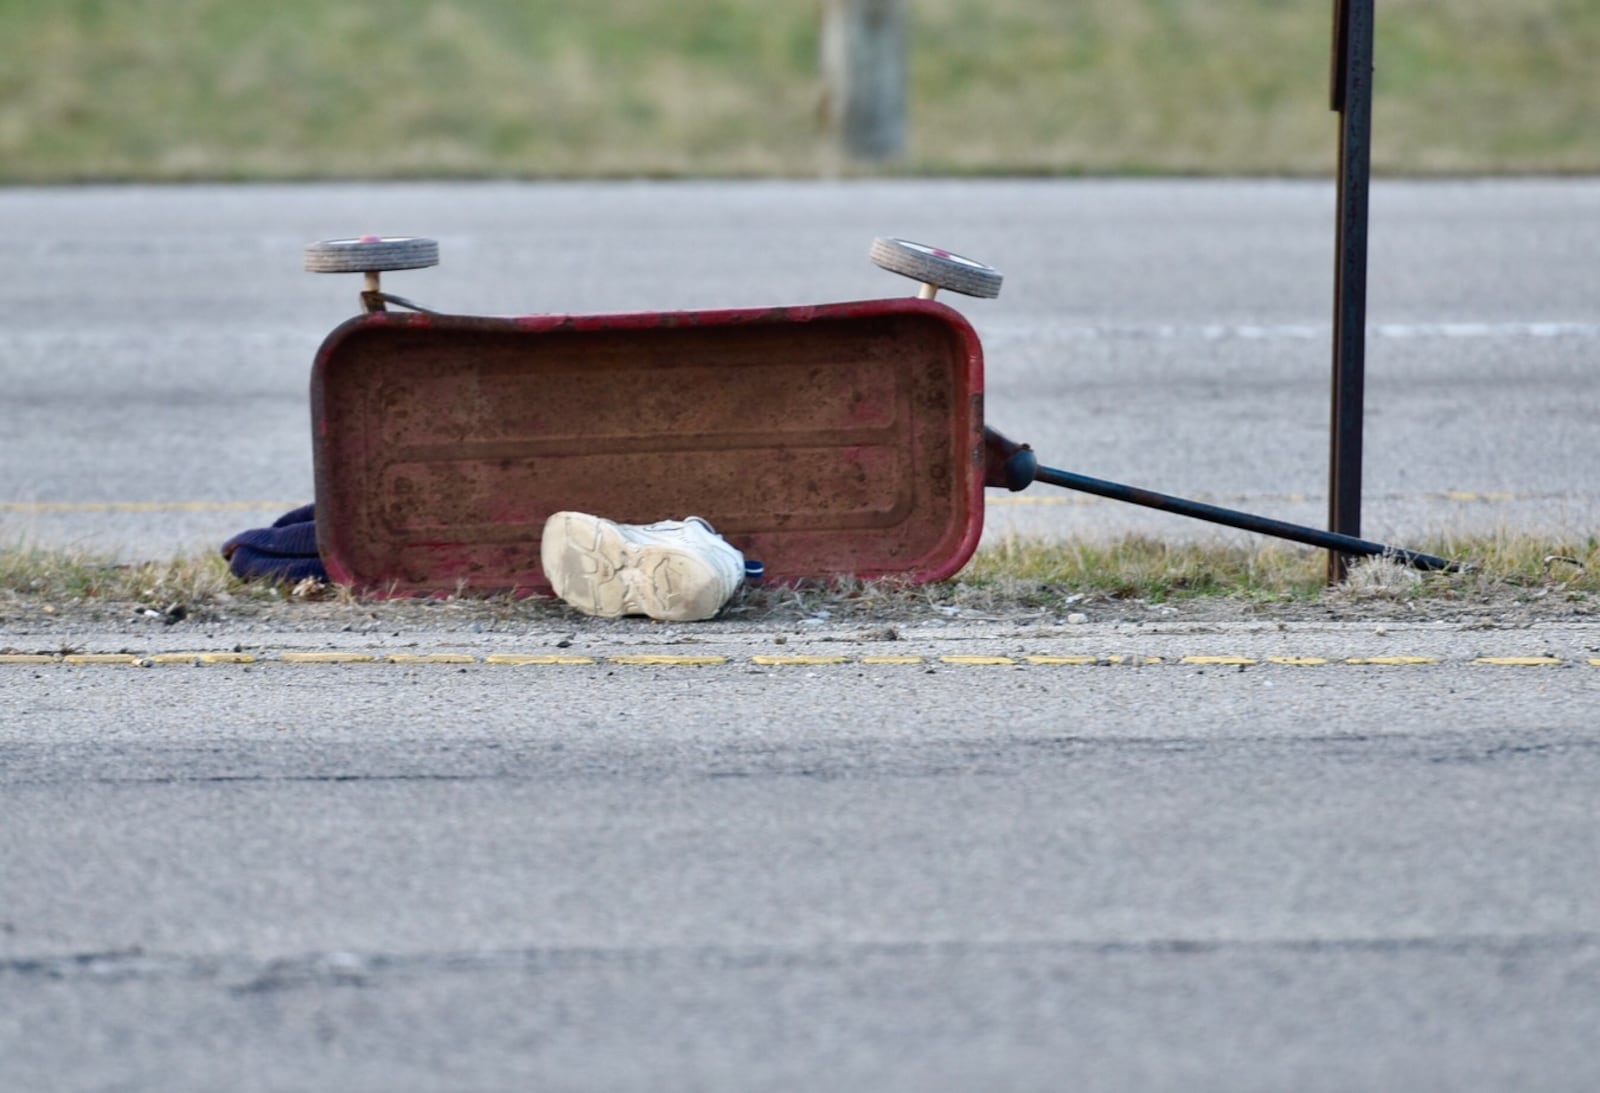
(1014, 576)
(216, 89)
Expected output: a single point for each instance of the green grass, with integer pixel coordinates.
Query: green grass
(1012, 577)
(187, 89)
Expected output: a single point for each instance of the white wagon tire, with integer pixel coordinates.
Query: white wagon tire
(936, 267)
(371, 254)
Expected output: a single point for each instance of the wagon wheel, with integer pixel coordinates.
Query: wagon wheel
(370, 255)
(935, 268)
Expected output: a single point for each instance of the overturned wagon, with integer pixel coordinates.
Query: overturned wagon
(825, 440)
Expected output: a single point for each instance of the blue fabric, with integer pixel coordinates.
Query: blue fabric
(287, 551)
(305, 514)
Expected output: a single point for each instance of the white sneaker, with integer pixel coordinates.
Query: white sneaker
(676, 570)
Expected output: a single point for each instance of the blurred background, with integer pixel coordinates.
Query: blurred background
(104, 90)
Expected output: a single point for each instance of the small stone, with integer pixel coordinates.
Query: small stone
(1077, 618)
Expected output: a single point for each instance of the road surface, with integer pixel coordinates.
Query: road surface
(155, 344)
(1108, 849)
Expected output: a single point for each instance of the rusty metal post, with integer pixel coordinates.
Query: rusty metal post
(864, 76)
(1351, 96)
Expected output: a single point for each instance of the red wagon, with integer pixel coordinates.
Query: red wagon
(823, 440)
(831, 440)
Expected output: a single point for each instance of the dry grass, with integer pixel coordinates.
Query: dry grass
(60, 579)
(1016, 578)
(1493, 566)
(182, 89)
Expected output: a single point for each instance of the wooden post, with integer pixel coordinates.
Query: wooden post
(864, 76)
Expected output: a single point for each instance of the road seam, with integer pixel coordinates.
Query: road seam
(205, 658)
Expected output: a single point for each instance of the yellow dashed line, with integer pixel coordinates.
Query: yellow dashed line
(145, 506)
(537, 658)
(1011, 500)
(202, 658)
(327, 658)
(1471, 495)
(998, 501)
(763, 659)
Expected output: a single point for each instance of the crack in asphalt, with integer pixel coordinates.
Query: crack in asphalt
(240, 974)
(1001, 757)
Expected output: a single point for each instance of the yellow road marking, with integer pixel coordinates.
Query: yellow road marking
(202, 658)
(100, 658)
(1010, 500)
(1472, 495)
(1216, 660)
(536, 658)
(676, 662)
(327, 658)
(1044, 500)
(28, 658)
(892, 660)
(1061, 660)
(1303, 662)
(1392, 660)
(773, 661)
(1002, 501)
(977, 661)
(430, 658)
(146, 506)
(1518, 662)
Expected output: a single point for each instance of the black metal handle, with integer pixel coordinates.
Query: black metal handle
(1327, 540)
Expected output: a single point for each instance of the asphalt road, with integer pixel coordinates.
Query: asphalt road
(1174, 876)
(1162, 854)
(155, 344)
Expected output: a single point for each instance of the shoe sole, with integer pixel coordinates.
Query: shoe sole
(595, 569)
